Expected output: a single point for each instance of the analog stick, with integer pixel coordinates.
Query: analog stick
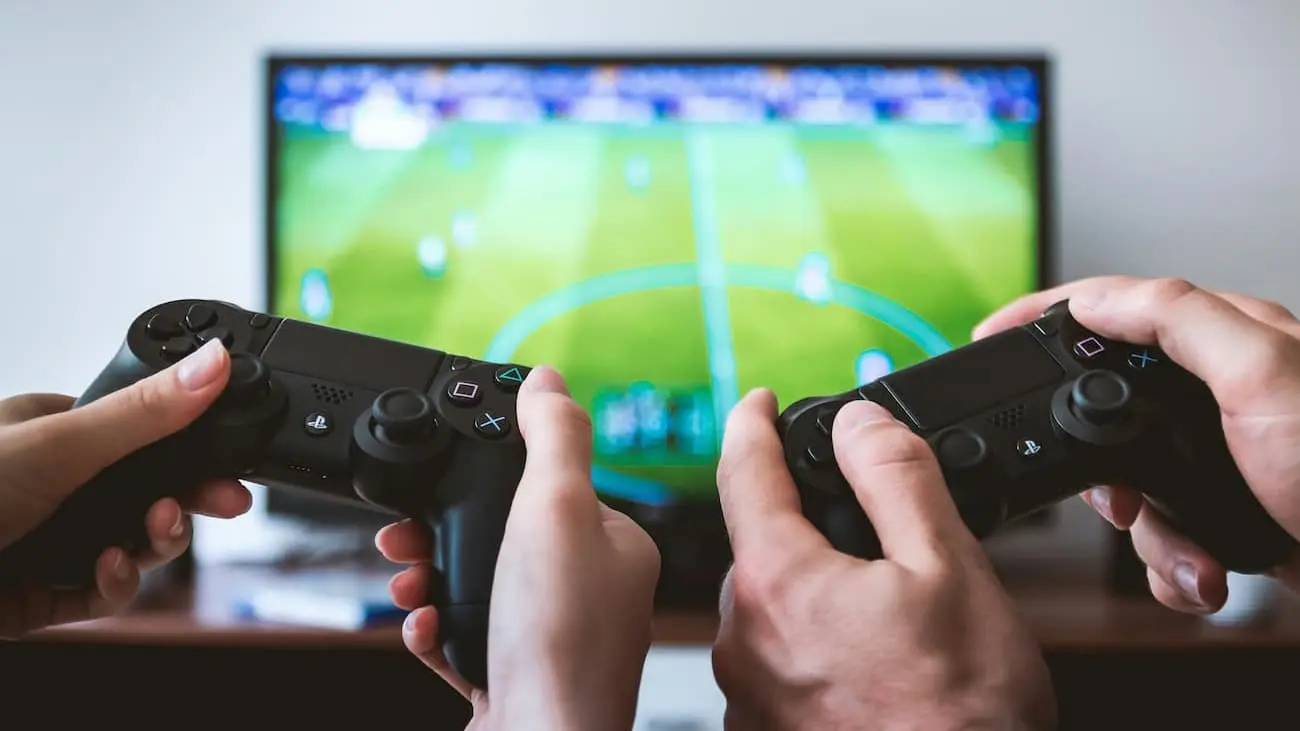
(1100, 397)
(402, 416)
(249, 380)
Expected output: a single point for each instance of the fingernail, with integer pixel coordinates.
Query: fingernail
(408, 625)
(201, 367)
(861, 413)
(546, 380)
(121, 567)
(178, 528)
(1100, 499)
(1186, 580)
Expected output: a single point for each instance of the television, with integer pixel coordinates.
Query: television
(667, 231)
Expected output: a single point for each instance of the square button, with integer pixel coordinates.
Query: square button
(464, 393)
(1088, 348)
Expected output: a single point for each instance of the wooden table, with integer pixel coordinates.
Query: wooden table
(1118, 662)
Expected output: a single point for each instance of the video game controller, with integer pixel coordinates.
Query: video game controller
(407, 430)
(1030, 416)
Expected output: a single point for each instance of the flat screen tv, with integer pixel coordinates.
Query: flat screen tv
(669, 232)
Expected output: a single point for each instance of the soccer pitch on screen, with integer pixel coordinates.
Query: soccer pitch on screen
(664, 269)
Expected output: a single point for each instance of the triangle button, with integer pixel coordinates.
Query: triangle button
(509, 377)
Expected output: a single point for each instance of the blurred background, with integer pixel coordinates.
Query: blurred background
(152, 151)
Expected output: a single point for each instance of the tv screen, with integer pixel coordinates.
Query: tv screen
(667, 233)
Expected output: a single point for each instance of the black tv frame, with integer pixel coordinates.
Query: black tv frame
(681, 584)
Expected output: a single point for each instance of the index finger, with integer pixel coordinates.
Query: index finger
(1245, 362)
(1031, 306)
(760, 503)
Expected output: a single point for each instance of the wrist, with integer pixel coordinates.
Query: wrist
(555, 714)
(557, 699)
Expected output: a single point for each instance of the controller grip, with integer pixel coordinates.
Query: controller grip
(108, 511)
(470, 525)
(1213, 506)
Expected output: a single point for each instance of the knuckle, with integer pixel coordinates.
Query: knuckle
(1276, 311)
(1166, 290)
(564, 502)
(758, 586)
(1272, 361)
(729, 466)
(147, 399)
(738, 453)
(893, 445)
(565, 413)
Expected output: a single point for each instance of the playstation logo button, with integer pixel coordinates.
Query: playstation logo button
(317, 424)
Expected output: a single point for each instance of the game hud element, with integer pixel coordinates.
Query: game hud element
(667, 236)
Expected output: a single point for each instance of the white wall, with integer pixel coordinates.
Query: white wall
(130, 138)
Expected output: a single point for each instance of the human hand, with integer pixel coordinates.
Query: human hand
(1248, 353)
(812, 638)
(48, 450)
(572, 600)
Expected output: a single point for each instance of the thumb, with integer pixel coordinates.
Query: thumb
(558, 434)
(72, 447)
(897, 480)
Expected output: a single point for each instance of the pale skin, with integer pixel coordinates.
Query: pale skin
(48, 450)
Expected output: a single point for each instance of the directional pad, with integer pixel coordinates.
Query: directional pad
(162, 327)
(826, 418)
(177, 348)
(200, 317)
(820, 456)
(217, 333)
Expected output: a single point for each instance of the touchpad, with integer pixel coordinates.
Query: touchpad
(950, 387)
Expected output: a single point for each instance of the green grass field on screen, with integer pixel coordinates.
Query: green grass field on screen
(670, 261)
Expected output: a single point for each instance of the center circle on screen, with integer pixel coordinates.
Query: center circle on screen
(643, 279)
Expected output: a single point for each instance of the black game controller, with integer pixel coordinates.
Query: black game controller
(407, 430)
(1032, 415)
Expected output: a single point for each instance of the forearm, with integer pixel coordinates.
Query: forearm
(556, 700)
